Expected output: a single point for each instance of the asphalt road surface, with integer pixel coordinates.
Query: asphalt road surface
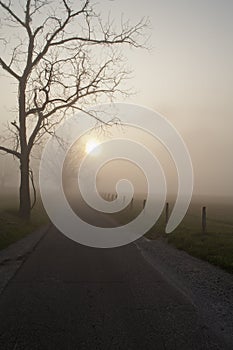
(68, 296)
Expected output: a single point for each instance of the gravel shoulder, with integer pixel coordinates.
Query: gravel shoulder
(13, 256)
(209, 288)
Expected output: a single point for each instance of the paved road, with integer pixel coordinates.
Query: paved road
(67, 296)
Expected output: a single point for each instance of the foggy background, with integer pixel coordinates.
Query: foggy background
(186, 76)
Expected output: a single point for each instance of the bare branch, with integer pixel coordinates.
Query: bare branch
(64, 58)
(37, 126)
(12, 14)
(8, 69)
(10, 151)
(15, 125)
(33, 188)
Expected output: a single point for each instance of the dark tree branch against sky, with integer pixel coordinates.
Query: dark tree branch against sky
(62, 55)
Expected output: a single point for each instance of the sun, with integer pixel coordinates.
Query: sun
(91, 145)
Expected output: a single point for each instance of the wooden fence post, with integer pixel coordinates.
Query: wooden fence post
(167, 213)
(203, 220)
(144, 203)
(131, 203)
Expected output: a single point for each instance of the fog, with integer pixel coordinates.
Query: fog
(186, 76)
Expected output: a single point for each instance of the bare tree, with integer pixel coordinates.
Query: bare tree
(62, 56)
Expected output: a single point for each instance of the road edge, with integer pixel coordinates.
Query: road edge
(13, 257)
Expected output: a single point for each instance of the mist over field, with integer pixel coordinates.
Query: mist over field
(116, 174)
(186, 77)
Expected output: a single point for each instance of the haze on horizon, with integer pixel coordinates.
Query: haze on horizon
(187, 77)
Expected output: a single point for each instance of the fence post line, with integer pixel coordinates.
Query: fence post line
(131, 203)
(144, 203)
(166, 212)
(203, 219)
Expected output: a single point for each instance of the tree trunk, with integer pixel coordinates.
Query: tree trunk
(24, 191)
(25, 200)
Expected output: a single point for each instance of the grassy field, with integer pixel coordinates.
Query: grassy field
(214, 246)
(12, 228)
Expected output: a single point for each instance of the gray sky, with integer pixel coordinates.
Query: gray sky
(187, 77)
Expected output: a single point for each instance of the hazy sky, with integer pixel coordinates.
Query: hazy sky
(187, 77)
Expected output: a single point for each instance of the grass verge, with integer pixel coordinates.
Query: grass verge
(13, 228)
(215, 246)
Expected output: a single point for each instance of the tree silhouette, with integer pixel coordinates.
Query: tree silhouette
(62, 56)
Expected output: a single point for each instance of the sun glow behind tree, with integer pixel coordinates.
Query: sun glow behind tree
(91, 145)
